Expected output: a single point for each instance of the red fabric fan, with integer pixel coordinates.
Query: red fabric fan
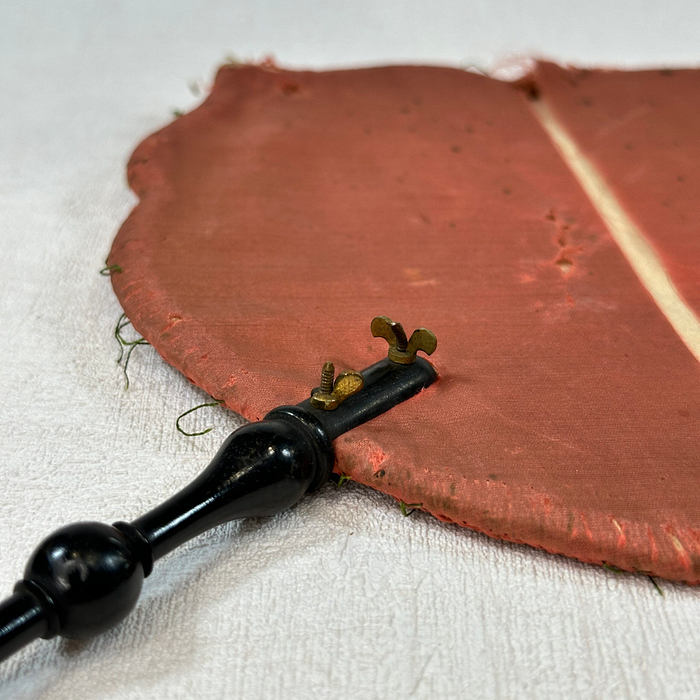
(277, 219)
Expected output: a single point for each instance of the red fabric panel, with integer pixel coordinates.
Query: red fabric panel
(642, 131)
(281, 216)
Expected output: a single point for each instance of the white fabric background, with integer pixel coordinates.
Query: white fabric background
(342, 596)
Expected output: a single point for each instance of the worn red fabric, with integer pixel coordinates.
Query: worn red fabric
(641, 129)
(277, 219)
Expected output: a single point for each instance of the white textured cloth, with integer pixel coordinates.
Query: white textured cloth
(341, 597)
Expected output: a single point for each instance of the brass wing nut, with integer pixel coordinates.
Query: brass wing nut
(332, 391)
(401, 350)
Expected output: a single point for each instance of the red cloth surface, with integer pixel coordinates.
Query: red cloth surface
(641, 129)
(277, 219)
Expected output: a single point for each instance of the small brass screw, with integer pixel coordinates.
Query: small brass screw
(401, 350)
(327, 378)
(332, 392)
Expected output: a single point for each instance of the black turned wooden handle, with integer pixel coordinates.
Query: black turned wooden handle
(86, 577)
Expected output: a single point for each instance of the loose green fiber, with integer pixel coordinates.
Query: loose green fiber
(133, 347)
(109, 270)
(659, 590)
(613, 569)
(405, 508)
(122, 323)
(216, 402)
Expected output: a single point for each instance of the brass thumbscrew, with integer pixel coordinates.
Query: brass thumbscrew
(332, 391)
(402, 350)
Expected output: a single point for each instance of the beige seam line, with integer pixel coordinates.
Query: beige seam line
(639, 253)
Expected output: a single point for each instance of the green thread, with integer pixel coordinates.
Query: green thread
(342, 479)
(615, 570)
(405, 506)
(177, 113)
(217, 402)
(133, 347)
(658, 588)
(122, 323)
(612, 568)
(108, 270)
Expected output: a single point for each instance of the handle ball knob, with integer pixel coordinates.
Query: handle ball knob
(87, 577)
